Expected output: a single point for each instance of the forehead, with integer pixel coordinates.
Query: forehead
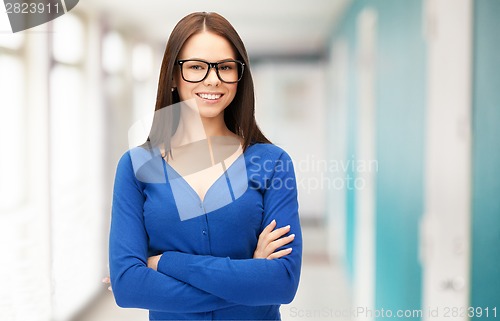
(208, 46)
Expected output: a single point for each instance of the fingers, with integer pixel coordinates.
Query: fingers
(107, 280)
(280, 242)
(269, 235)
(271, 239)
(277, 255)
(277, 233)
(269, 227)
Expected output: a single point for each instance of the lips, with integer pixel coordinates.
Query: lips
(209, 96)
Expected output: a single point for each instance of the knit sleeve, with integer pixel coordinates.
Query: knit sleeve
(134, 284)
(250, 281)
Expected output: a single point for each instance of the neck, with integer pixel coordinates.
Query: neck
(215, 126)
(194, 128)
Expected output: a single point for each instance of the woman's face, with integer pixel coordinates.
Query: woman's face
(211, 95)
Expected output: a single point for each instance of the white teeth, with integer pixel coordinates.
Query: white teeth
(210, 96)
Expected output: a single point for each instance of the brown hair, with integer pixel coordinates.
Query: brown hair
(239, 116)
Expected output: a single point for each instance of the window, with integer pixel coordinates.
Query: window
(142, 62)
(11, 41)
(68, 40)
(113, 53)
(12, 129)
(74, 209)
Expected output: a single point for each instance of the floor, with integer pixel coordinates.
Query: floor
(322, 294)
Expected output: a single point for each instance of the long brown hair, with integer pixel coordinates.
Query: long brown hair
(239, 116)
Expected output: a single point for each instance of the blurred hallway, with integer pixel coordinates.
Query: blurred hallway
(389, 109)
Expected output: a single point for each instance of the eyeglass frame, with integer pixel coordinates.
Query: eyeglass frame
(211, 65)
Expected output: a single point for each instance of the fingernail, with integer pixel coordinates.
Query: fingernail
(291, 235)
(273, 221)
(289, 249)
(288, 226)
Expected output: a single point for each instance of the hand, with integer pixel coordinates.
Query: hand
(107, 280)
(270, 240)
(153, 262)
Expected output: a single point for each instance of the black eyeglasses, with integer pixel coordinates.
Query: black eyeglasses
(196, 70)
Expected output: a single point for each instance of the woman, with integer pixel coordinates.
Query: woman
(205, 219)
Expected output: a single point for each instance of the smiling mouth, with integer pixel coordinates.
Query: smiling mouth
(209, 96)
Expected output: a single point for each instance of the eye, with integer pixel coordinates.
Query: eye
(196, 67)
(193, 65)
(228, 66)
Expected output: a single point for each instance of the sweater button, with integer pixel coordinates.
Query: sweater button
(204, 232)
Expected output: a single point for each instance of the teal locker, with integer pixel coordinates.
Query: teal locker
(485, 269)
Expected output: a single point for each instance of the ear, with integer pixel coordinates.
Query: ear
(175, 78)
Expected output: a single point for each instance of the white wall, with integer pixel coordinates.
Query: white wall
(291, 111)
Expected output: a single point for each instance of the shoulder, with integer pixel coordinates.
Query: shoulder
(146, 165)
(124, 163)
(269, 158)
(133, 157)
(268, 152)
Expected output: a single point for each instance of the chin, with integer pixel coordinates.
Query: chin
(210, 112)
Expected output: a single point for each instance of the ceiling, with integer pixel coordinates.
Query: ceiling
(268, 27)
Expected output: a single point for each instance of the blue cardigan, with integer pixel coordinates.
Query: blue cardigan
(206, 271)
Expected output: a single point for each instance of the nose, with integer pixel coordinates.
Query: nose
(212, 78)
